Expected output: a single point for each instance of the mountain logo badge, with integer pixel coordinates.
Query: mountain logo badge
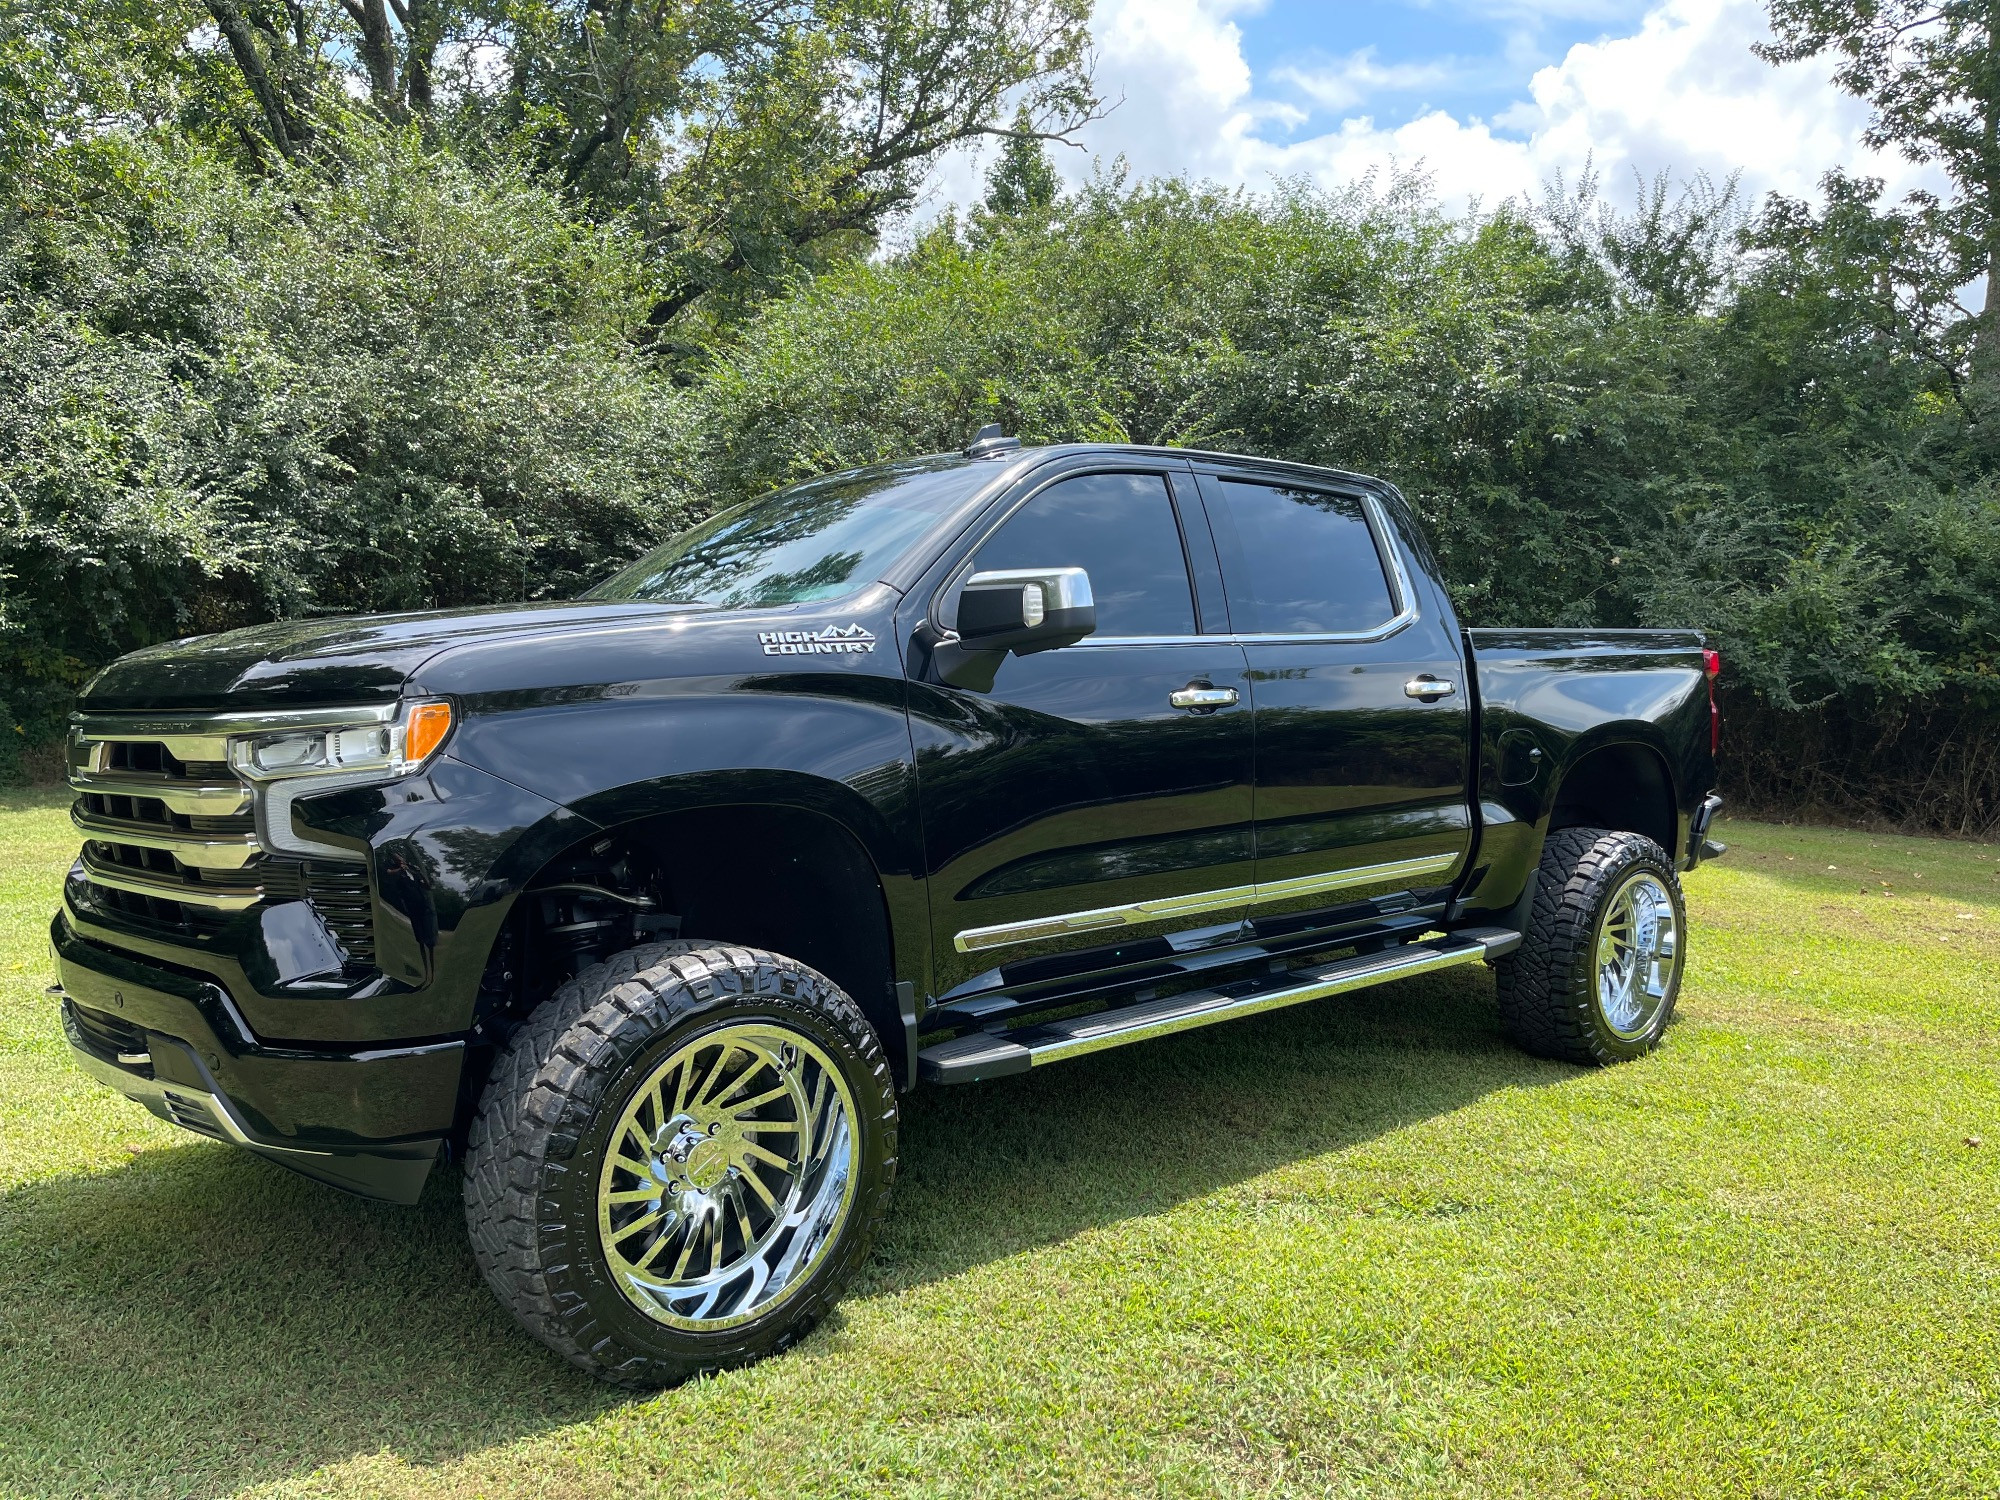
(835, 640)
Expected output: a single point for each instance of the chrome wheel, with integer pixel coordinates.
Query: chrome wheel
(1637, 954)
(728, 1177)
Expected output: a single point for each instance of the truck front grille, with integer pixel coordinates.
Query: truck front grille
(169, 918)
(170, 836)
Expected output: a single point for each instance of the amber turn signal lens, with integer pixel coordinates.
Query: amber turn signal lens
(429, 724)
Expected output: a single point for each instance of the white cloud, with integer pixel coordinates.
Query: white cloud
(1681, 93)
(1357, 77)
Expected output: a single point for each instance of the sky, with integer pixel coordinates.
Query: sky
(1490, 98)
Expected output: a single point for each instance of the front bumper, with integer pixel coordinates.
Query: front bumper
(368, 1121)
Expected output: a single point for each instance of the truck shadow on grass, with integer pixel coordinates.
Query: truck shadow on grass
(201, 1321)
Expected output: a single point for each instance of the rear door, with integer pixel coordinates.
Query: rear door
(1363, 722)
(1073, 811)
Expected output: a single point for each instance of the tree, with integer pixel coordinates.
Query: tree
(750, 139)
(1930, 70)
(1023, 178)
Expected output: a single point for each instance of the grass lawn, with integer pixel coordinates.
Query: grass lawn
(1361, 1247)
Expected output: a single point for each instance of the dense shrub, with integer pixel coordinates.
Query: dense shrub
(224, 399)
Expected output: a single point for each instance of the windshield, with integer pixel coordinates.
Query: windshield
(818, 540)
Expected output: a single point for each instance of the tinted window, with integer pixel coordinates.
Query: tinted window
(1120, 529)
(1300, 562)
(819, 540)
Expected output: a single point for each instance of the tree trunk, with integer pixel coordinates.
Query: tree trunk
(286, 133)
(378, 56)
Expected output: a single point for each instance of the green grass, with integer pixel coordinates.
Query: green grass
(1362, 1247)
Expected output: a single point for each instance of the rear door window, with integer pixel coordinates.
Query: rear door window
(1298, 561)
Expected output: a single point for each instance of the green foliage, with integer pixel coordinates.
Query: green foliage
(403, 387)
(1930, 72)
(1023, 180)
(747, 140)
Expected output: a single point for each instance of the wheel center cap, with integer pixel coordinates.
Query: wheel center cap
(700, 1161)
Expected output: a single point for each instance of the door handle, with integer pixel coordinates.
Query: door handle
(1428, 688)
(1201, 697)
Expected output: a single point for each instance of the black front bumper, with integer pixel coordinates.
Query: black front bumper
(369, 1121)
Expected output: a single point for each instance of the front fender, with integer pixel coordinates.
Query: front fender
(832, 743)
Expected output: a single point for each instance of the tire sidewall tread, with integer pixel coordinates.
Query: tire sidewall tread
(1547, 987)
(558, 1086)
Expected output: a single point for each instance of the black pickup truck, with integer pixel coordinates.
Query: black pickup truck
(648, 905)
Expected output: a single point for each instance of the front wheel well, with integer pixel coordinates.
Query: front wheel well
(1622, 787)
(779, 878)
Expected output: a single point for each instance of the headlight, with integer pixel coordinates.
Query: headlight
(359, 750)
(286, 764)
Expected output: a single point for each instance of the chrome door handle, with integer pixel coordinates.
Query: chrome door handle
(1200, 695)
(1428, 687)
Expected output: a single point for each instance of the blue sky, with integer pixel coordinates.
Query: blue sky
(1488, 99)
(1402, 57)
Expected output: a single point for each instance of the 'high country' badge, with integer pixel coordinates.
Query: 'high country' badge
(834, 640)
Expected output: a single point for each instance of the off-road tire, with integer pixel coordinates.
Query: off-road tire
(1547, 987)
(553, 1097)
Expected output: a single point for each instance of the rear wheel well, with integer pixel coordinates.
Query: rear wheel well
(780, 878)
(1621, 787)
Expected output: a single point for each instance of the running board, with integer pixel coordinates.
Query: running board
(983, 1055)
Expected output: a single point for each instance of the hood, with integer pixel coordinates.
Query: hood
(349, 659)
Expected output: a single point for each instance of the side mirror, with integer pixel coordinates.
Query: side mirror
(1025, 610)
(1022, 610)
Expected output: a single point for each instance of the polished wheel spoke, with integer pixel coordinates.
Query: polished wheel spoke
(757, 1186)
(744, 1106)
(700, 1222)
(653, 1250)
(759, 1153)
(717, 1074)
(687, 1250)
(742, 1082)
(644, 1221)
(633, 1145)
(1635, 954)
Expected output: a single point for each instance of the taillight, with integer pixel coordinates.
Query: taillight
(1711, 667)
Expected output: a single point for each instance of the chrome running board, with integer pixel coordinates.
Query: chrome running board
(983, 1055)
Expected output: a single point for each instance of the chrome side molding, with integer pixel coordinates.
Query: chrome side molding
(1166, 909)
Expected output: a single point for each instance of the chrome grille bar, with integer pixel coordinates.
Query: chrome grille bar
(194, 799)
(142, 781)
(196, 851)
(170, 888)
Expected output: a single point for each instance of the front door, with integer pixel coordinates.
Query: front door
(1363, 719)
(1074, 811)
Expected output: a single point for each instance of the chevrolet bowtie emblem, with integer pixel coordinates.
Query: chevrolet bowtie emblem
(833, 640)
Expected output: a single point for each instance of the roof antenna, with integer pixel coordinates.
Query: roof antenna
(991, 442)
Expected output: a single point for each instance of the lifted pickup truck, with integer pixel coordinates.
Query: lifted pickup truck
(648, 905)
